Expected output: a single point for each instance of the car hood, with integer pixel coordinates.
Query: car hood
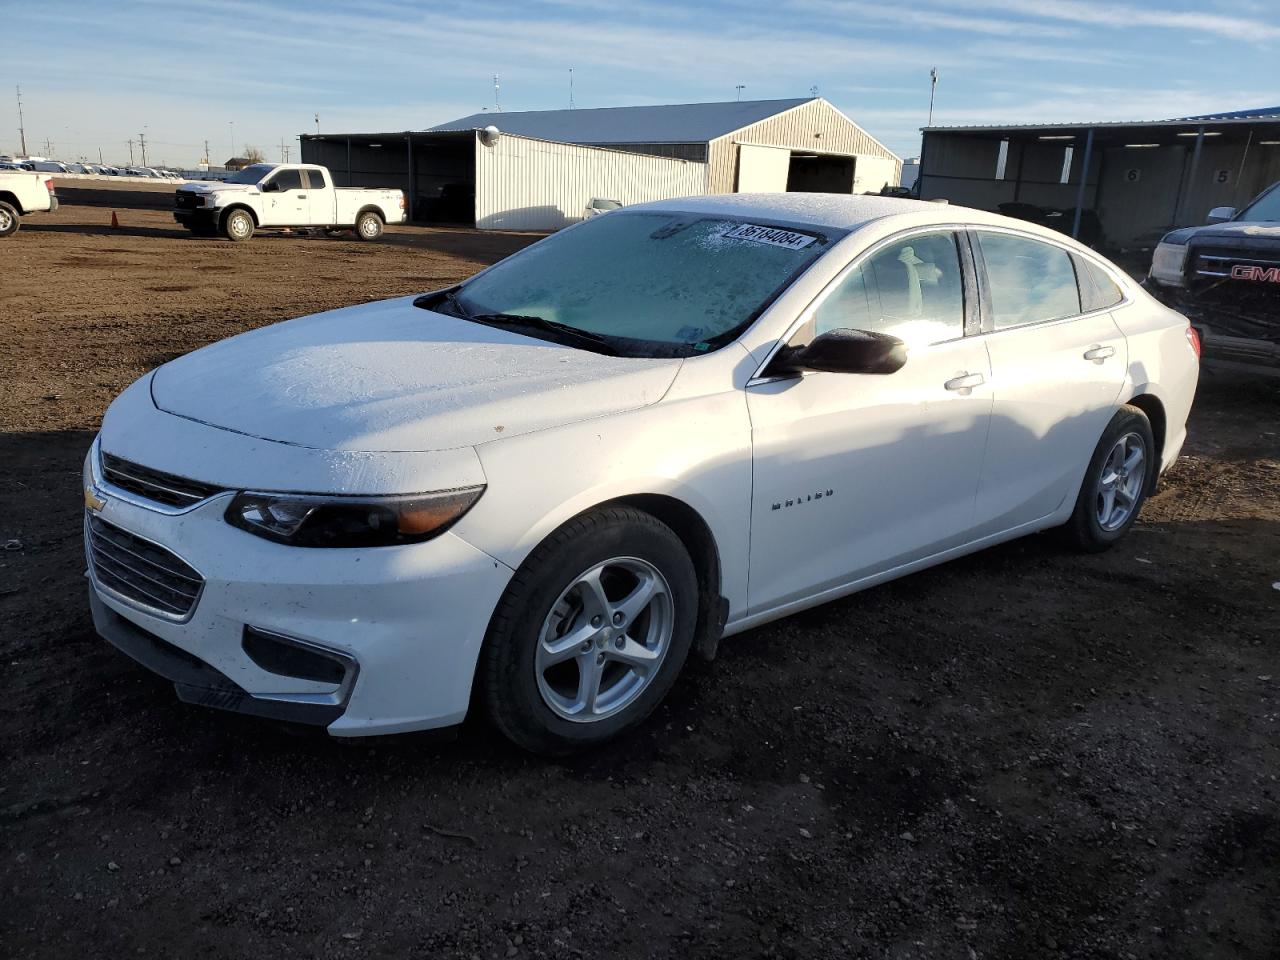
(1241, 230)
(217, 185)
(391, 376)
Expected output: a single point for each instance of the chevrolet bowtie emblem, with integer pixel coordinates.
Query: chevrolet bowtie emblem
(92, 499)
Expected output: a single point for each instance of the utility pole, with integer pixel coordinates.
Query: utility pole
(740, 87)
(22, 130)
(142, 141)
(497, 104)
(317, 124)
(48, 147)
(571, 88)
(933, 86)
(207, 164)
(130, 143)
(233, 137)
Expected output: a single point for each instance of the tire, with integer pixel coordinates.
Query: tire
(368, 226)
(1127, 436)
(10, 219)
(532, 690)
(237, 225)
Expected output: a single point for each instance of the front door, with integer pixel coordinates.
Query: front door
(855, 474)
(285, 201)
(1057, 369)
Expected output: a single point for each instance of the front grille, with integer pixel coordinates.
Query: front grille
(139, 571)
(1216, 262)
(186, 200)
(166, 488)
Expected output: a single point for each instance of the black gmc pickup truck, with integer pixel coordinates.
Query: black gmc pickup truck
(1225, 277)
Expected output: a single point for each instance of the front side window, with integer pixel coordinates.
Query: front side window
(654, 284)
(912, 289)
(1030, 281)
(286, 180)
(315, 179)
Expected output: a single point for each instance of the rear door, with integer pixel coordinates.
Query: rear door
(1057, 362)
(319, 199)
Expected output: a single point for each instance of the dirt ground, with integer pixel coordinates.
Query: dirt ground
(1026, 753)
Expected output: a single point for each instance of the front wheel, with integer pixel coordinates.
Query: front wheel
(238, 225)
(9, 219)
(1117, 481)
(591, 633)
(368, 226)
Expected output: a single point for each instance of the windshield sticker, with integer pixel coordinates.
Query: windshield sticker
(770, 235)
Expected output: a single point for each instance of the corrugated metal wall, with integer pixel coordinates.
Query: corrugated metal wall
(815, 126)
(525, 184)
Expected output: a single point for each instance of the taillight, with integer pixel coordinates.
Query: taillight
(1193, 338)
(49, 184)
(402, 201)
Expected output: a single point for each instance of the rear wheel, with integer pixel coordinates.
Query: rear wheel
(1119, 477)
(9, 219)
(238, 225)
(591, 633)
(368, 226)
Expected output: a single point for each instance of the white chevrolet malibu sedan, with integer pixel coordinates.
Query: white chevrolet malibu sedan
(539, 490)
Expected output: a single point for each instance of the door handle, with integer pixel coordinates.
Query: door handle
(965, 382)
(302, 196)
(1098, 353)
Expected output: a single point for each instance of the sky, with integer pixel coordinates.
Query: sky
(97, 74)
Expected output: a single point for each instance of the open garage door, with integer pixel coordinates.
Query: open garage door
(820, 173)
(762, 169)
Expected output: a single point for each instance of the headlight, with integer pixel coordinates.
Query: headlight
(304, 520)
(1167, 263)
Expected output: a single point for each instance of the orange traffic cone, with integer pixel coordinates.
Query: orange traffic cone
(115, 222)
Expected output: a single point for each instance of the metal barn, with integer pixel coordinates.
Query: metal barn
(748, 146)
(502, 181)
(1119, 185)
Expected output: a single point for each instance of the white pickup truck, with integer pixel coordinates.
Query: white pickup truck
(277, 195)
(22, 193)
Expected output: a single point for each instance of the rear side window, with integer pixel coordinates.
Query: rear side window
(912, 289)
(288, 180)
(1029, 281)
(315, 179)
(1097, 290)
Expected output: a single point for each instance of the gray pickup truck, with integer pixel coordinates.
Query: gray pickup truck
(1225, 277)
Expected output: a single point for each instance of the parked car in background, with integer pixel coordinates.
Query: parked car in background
(273, 195)
(536, 491)
(1226, 277)
(48, 166)
(22, 193)
(599, 205)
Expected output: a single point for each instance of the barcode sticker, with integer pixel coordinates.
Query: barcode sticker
(771, 235)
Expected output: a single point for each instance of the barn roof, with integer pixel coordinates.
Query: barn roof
(669, 123)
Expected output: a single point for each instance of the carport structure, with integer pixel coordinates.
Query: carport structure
(1140, 179)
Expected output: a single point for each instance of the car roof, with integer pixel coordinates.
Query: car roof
(842, 211)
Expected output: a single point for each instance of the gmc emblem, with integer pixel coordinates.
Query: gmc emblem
(1261, 274)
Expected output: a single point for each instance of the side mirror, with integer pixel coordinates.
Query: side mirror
(1220, 214)
(271, 187)
(844, 351)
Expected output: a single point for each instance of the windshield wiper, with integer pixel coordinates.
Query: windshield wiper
(598, 343)
(594, 341)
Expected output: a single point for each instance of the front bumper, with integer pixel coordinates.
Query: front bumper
(196, 217)
(409, 620)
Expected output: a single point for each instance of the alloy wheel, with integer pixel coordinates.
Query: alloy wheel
(605, 639)
(1124, 471)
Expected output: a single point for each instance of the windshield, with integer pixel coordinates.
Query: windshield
(251, 174)
(1266, 207)
(653, 284)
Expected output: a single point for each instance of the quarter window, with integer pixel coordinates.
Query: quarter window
(315, 179)
(912, 289)
(1097, 290)
(1030, 281)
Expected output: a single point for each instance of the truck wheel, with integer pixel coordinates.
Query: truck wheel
(8, 219)
(368, 226)
(238, 225)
